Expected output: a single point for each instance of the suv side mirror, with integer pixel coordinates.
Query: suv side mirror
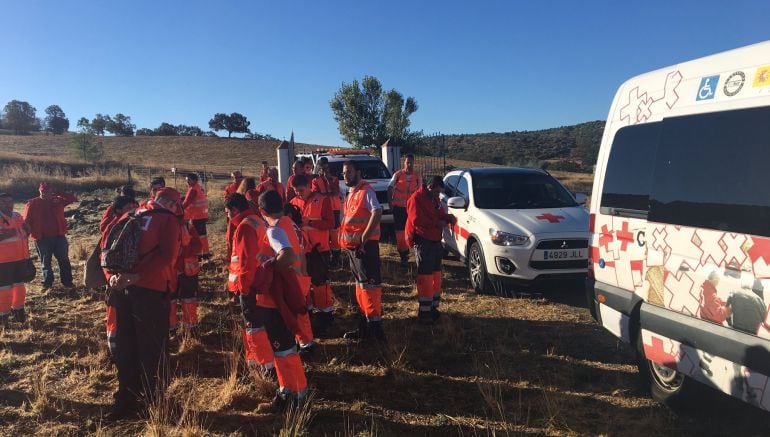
(581, 198)
(456, 202)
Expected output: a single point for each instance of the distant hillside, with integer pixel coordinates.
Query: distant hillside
(571, 148)
(216, 154)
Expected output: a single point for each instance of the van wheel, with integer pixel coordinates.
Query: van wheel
(477, 269)
(666, 386)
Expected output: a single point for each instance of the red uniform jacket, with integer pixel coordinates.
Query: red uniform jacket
(158, 249)
(189, 249)
(321, 185)
(107, 218)
(252, 250)
(45, 217)
(423, 214)
(290, 193)
(270, 185)
(230, 189)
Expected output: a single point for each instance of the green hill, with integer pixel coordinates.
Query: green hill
(572, 148)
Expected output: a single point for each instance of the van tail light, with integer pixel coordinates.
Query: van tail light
(591, 252)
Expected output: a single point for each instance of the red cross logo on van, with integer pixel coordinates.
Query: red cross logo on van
(550, 217)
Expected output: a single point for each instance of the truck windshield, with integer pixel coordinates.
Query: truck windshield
(519, 191)
(370, 169)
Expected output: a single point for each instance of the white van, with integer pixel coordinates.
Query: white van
(680, 225)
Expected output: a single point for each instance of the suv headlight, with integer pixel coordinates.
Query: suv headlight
(501, 238)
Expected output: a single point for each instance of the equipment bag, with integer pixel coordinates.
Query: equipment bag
(121, 253)
(93, 276)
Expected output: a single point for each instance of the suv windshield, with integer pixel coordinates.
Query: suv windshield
(370, 169)
(519, 191)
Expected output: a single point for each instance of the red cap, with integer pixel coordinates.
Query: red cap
(169, 193)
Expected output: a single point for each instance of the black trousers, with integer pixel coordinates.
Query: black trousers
(142, 336)
(317, 266)
(366, 268)
(255, 316)
(399, 217)
(429, 255)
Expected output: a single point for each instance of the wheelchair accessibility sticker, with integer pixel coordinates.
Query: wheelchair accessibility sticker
(708, 87)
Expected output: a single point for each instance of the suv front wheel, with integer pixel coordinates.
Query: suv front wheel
(477, 269)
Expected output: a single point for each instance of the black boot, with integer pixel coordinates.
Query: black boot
(425, 317)
(375, 328)
(19, 315)
(359, 333)
(404, 258)
(435, 314)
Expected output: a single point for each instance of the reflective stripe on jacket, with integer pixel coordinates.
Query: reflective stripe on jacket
(16, 247)
(196, 206)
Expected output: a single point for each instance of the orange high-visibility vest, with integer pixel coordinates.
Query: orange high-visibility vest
(296, 239)
(251, 223)
(199, 209)
(15, 248)
(356, 217)
(404, 189)
(312, 208)
(324, 186)
(191, 265)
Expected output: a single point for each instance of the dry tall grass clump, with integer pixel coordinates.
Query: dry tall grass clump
(23, 179)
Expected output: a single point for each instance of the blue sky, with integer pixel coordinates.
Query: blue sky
(481, 66)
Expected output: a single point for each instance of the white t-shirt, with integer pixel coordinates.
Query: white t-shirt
(370, 201)
(278, 239)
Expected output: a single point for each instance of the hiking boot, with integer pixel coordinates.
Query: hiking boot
(359, 333)
(306, 351)
(124, 410)
(377, 332)
(19, 315)
(278, 404)
(425, 317)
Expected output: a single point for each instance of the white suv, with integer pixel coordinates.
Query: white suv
(373, 171)
(515, 225)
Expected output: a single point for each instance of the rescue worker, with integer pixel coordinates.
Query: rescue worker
(109, 214)
(307, 163)
(298, 168)
(155, 184)
(259, 251)
(359, 238)
(143, 306)
(291, 375)
(402, 185)
(328, 185)
(186, 291)
(246, 276)
(424, 227)
(45, 217)
(232, 187)
(196, 209)
(265, 173)
(271, 183)
(120, 206)
(317, 220)
(14, 255)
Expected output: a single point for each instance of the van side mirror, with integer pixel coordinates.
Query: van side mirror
(581, 198)
(456, 202)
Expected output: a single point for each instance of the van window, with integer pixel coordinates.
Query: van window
(628, 179)
(713, 171)
(461, 189)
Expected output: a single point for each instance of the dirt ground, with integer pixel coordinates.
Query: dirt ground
(530, 363)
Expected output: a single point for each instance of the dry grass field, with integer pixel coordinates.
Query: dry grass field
(519, 363)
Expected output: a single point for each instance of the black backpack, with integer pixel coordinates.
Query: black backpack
(121, 253)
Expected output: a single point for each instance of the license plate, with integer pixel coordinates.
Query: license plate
(554, 255)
